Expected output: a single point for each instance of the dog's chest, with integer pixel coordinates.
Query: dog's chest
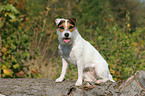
(68, 54)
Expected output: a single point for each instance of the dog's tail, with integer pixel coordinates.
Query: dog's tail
(110, 78)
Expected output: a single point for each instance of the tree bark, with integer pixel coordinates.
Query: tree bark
(134, 86)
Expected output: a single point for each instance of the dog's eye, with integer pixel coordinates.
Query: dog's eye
(71, 27)
(61, 27)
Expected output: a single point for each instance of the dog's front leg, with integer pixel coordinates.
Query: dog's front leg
(63, 72)
(80, 73)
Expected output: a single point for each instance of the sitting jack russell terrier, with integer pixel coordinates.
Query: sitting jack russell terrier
(74, 49)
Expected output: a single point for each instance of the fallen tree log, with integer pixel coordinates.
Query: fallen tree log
(134, 86)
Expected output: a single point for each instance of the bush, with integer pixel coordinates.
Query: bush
(29, 40)
(123, 51)
(14, 43)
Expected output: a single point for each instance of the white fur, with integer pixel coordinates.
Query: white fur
(58, 20)
(81, 53)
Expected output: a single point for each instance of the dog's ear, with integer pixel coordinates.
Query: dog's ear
(73, 21)
(57, 21)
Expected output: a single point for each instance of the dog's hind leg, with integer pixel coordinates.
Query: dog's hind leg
(105, 79)
(89, 76)
(102, 74)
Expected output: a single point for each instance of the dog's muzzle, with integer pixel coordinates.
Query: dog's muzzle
(66, 35)
(66, 39)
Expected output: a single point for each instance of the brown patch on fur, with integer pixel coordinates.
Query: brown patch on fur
(69, 26)
(61, 27)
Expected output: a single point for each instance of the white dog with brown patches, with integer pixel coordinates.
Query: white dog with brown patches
(74, 49)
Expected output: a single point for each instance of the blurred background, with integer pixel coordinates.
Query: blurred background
(29, 44)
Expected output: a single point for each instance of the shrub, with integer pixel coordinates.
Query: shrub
(14, 42)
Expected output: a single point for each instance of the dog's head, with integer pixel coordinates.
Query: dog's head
(65, 30)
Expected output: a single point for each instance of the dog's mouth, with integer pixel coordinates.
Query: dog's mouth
(66, 40)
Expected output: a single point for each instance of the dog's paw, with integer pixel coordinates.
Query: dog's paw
(78, 83)
(59, 79)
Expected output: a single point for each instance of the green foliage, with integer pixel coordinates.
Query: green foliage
(123, 51)
(9, 7)
(29, 40)
(15, 43)
(97, 23)
(136, 9)
(8, 13)
(121, 48)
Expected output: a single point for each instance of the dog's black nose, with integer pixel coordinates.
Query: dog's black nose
(66, 34)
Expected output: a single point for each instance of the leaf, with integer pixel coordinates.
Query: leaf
(8, 72)
(24, 37)
(100, 38)
(13, 47)
(2, 22)
(4, 50)
(115, 79)
(128, 69)
(25, 54)
(20, 74)
(7, 64)
(13, 17)
(89, 30)
(92, 42)
(32, 75)
(2, 7)
(16, 66)
(14, 60)
(112, 71)
(3, 67)
(10, 7)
